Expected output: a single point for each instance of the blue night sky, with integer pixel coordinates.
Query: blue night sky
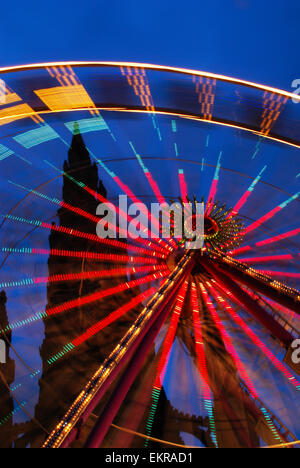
(248, 39)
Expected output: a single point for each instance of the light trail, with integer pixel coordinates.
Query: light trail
(231, 349)
(285, 274)
(144, 210)
(274, 284)
(91, 275)
(214, 186)
(183, 186)
(160, 198)
(164, 112)
(110, 258)
(201, 363)
(240, 250)
(185, 71)
(246, 195)
(227, 341)
(83, 235)
(99, 379)
(93, 330)
(272, 240)
(275, 309)
(268, 258)
(81, 301)
(162, 245)
(164, 358)
(266, 242)
(84, 214)
(290, 313)
(258, 343)
(270, 214)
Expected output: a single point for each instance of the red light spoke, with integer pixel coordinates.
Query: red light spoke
(120, 212)
(270, 214)
(214, 186)
(81, 301)
(227, 341)
(159, 198)
(104, 257)
(246, 195)
(184, 192)
(162, 365)
(231, 349)
(273, 359)
(164, 358)
(83, 235)
(267, 242)
(155, 188)
(272, 240)
(183, 186)
(240, 203)
(113, 317)
(262, 220)
(240, 250)
(91, 275)
(89, 216)
(269, 258)
(285, 274)
(199, 344)
(145, 211)
(93, 238)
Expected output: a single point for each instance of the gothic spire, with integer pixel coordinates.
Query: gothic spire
(78, 154)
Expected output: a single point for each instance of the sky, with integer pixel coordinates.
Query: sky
(250, 39)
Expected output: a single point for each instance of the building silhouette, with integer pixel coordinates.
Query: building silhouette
(61, 382)
(7, 370)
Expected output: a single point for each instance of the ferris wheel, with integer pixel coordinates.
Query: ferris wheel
(150, 258)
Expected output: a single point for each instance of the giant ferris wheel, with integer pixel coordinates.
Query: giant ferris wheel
(130, 343)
